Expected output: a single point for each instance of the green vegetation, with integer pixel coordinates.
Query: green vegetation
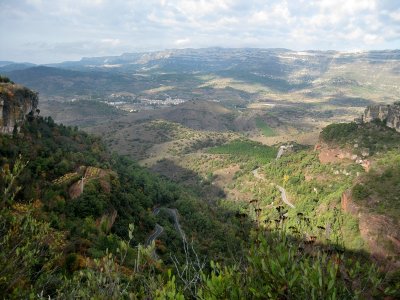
(61, 237)
(280, 267)
(339, 133)
(316, 190)
(70, 248)
(265, 129)
(374, 136)
(277, 266)
(78, 231)
(95, 107)
(5, 79)
(379, 189)
(247, 150)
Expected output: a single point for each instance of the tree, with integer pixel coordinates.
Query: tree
(15, 131)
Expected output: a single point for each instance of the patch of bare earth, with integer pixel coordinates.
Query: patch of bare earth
(381, 234)
(333, 154)
(90, 173)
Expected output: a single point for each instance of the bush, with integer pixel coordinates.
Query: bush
(338, 132)
(5, 79)
(360, 192)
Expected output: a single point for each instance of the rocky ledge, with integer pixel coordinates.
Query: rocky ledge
(390, 114)
(15, 103)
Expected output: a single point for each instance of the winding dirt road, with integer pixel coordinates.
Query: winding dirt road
(281, 189)
(284, 196)
(158, 230)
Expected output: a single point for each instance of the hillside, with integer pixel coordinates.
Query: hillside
(317, 182)
(241, 74)
(373, 196)
(49, 162)
(309, 89)
(81, 113)
(77, 221)
(61, 82)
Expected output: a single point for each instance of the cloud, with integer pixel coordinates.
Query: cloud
(182, 42)
(108, 26)
(111, 42)
(193, 8)
(395, 16)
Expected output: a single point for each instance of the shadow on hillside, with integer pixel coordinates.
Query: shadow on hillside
(219, 232)
(188, 178)
(308, 242)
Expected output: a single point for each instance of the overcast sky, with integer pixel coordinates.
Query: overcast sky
(44, 31)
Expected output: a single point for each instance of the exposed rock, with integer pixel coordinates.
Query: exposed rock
(329, 154)
(366, 164)
(15, 103)
(382, 237)
(380, 233)
(76, 189)
(348, 205)
(282, 150)
(385, 113)
(365, 152)
(91, 173)
(317, 147)
(333, 154)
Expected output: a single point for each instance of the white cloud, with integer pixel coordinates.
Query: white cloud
(125, 25)
(94, 2)
(111, 42)
(371, 39)
(35, 2)
(193, 8)
(182, 42)
(395, 16)
(346, 6)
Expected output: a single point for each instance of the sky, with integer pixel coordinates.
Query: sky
(46, 31)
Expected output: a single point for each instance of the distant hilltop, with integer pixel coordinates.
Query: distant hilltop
(16, 102)
(390, 114)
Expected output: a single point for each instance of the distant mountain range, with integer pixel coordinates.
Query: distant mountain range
(278, 70)
(212, 59)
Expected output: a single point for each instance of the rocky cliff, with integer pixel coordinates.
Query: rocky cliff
(379, 232)
(387, 113)
(15, 103)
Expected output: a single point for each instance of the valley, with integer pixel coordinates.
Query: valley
(307, 89)
(201, 124)
(215, 155)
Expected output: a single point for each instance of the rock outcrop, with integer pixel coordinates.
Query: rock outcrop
(348, 205)
(386, 113)
(379, 232)
(88, 174)
(15, 103)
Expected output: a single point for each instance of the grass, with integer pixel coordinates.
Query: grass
(247, 150)
(381, 186)
(265, 129)
(374, 136)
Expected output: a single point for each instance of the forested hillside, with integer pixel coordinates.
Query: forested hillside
(80, 222)
(41, 177)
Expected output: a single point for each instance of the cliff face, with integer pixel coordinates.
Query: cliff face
(388, 113)
(15, 103)
(393, 119)
(379, 232)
